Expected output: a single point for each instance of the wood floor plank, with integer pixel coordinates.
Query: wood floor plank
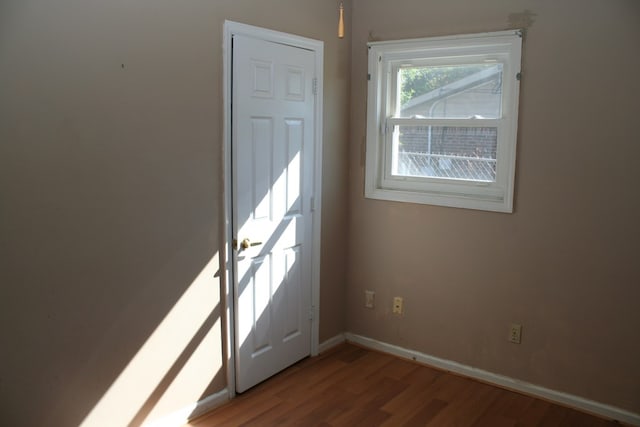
(352, 386)
(554, 417)
(366, 374)
(494, 421)
(400, 368)
(418, 391)
(427, 413)
(467, 407)
(510, 405)
(533, 414)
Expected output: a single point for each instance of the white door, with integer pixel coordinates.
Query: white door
(273, 169)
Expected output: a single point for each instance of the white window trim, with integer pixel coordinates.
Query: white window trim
(504, 47)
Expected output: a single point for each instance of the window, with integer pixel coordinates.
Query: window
(442, 118)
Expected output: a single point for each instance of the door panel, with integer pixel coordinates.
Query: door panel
(272, 160)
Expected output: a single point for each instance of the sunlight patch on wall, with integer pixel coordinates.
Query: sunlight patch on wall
(203, 365)
(172, 369)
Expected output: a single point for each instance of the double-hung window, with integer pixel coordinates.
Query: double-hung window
(442, 120)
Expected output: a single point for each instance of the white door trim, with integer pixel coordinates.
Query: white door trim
(316, 46)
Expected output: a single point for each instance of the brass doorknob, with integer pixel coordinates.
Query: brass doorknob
(246, 244)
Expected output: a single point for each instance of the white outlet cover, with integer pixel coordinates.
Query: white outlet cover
(397, 305)
(369, 299)
(515, 333)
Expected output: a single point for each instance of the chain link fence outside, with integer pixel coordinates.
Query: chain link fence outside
(446, 166)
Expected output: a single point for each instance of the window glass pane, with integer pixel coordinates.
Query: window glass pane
(455, 91)
(445, 152)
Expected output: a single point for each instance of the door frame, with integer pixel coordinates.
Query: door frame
(317, 47)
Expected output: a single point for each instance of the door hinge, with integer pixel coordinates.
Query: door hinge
(314, 85)
(311, 314)
(312, 203)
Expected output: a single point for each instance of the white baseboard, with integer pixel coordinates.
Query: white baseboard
(566, 399)
(331, 342)
(182, 416)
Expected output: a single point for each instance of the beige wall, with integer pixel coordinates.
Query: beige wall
(111, 201)
(111, 204)
(565, 263)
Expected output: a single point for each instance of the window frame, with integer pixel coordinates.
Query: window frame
(385, 59)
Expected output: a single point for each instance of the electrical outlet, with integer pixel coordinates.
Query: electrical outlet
(397, 305)
(515, 333)
(369, 299)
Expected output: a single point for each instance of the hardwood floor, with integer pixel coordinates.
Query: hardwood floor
(353, 386)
